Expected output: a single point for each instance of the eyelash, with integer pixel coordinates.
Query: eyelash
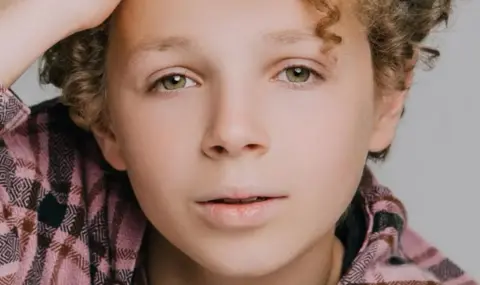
(317, 76)
(294, 85)
(158, 82)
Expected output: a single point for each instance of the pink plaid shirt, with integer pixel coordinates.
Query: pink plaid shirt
(66, 218)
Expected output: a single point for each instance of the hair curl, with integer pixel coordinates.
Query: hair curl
(395, 28)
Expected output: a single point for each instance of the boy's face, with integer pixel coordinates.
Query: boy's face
(213, 99)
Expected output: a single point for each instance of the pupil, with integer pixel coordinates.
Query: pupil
(298, 71)
(298, 74)
(175, 79)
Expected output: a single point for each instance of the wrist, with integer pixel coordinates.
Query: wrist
(51, 18)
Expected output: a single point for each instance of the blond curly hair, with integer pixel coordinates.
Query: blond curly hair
(396, 30)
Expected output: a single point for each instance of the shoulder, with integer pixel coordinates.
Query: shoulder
(426, 256)
(392, 253)
(44, 156)
(47, 167)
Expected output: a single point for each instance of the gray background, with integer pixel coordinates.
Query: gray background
(434, 164)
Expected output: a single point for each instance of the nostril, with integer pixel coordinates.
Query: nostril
(232, 150)
(219, 149)
(252, 146)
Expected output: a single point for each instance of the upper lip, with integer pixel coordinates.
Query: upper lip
(239, 193)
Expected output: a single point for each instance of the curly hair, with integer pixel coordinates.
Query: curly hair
(396, 30)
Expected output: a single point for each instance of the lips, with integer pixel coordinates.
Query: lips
(230, 201)
(240, 196)
(238, 210)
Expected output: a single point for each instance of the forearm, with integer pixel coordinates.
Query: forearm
(27, 29)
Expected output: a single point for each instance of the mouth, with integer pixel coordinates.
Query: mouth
(233, 201)
(239, 211)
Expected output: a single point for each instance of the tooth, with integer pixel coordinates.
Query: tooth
(228, 200)
(239, 201)
(249, 200)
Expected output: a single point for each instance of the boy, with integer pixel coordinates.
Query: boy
(242, 128)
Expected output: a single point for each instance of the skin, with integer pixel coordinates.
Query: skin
(240, 116)
(28, 42)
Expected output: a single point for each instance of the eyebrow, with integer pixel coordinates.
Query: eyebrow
(164, 44)
(284, 37)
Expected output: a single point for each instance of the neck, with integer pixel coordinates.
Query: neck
(319, 265)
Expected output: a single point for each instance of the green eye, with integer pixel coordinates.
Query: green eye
(297, 74)
(173, 82)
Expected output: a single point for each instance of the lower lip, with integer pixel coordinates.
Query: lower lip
(239, 216)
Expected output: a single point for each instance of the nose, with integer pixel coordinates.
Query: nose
(234, 131)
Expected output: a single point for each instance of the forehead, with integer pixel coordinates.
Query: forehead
(197, 18)
(213, 20)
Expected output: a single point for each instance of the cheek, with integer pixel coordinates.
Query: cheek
(323, 148)
(159, 142)
(326, 150)
(325, 134)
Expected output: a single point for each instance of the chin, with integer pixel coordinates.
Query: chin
(242, 261)
(242, 268)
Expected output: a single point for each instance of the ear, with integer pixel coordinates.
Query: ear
(388, 111)
(110, 148)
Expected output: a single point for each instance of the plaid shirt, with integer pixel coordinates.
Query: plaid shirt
(66, 218)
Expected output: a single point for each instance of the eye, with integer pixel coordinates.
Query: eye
(299, 76)
(296, 74)
(173, 82)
